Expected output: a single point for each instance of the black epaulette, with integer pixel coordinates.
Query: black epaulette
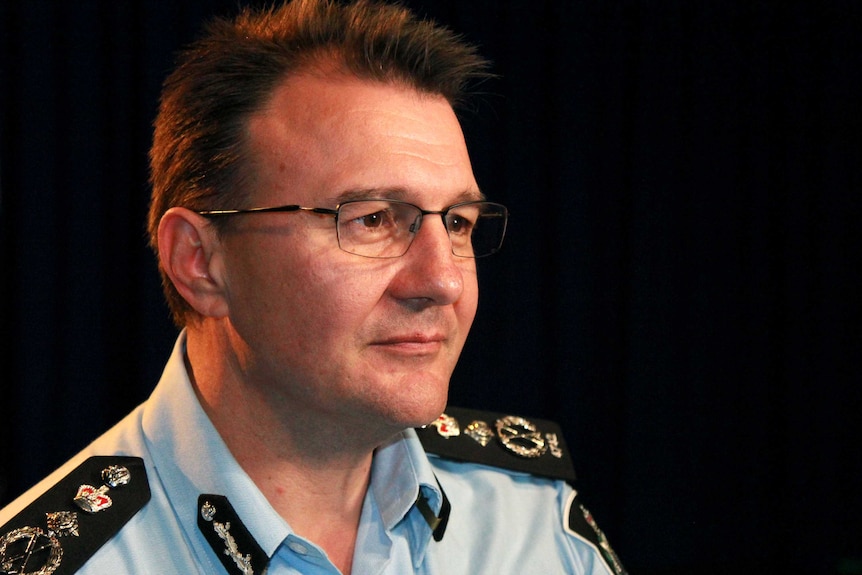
(228, 536)
(58, 532)
(534, 446)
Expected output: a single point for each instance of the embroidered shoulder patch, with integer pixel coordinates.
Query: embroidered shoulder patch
(534, 446)
(66, 525)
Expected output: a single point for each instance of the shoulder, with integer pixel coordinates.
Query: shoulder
(124, 438)
(69, 521)
(503, 441)
(48, 516)
(517, 470)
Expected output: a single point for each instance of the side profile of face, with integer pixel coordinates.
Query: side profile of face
(349, 338)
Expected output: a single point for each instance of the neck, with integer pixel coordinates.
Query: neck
(313, 471)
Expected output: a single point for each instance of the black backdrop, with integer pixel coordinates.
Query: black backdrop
(680, 287)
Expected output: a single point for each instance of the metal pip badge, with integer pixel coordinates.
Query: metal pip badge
(480, 432)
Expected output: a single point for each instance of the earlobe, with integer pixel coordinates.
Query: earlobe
(188, 252)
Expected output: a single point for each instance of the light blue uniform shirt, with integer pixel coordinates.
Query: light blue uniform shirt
(501, 522)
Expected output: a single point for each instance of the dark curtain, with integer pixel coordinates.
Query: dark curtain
(679, 289)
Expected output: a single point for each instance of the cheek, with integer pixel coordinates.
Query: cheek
(467, 311)
(467, 304)
(334, 300)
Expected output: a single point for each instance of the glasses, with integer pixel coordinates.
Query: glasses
(386, 228)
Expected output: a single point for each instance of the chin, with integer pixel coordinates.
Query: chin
(417, 405)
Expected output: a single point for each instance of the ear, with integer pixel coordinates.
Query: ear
(189, 254)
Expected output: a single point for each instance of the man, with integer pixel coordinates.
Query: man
(316, 221)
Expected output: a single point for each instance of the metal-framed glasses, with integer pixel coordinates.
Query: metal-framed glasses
(379, 228)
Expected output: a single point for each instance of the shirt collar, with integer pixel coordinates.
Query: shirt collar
(178, 432)
(399, 474)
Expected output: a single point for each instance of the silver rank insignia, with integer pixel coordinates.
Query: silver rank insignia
(534, 446)
(33, 550)
(94, 499)
(229, 538)
(520, 436)
(480, 432)
(63, 523)
(30, 551)
(514, 443)
(447, 426)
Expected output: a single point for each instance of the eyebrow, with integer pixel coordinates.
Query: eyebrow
(402, 194)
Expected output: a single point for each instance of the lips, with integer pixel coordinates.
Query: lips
(411, 339)
(414, 344)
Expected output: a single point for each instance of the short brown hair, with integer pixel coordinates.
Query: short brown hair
(221, 79)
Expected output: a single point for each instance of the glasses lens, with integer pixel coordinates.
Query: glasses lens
(376, 228)
(476, 228)
(385, 228)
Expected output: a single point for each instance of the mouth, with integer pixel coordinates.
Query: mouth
(411, 344)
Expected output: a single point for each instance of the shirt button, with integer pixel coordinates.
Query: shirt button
(297, 547)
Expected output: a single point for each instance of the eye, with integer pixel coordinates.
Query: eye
(374, 220)
(459, 224)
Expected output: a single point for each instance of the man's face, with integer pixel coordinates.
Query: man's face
(324, 332)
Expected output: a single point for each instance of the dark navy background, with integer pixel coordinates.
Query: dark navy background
(680, 288)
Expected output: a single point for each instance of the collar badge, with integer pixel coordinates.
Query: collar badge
(228, 537)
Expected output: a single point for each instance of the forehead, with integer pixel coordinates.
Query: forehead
(319, 137)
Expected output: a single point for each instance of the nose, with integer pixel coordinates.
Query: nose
(430, 273)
